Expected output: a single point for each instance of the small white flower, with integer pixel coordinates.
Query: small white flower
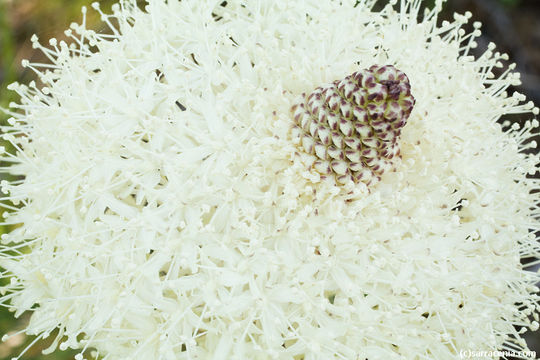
(164, 211)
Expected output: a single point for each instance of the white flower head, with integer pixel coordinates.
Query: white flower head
(165, 212)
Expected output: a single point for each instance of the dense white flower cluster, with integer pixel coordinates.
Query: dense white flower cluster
(165, 213)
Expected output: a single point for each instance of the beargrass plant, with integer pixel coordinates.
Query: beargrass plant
(256, 179)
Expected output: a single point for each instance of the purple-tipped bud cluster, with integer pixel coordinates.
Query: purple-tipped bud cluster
(352, 126)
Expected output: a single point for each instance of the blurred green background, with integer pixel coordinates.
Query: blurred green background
(514, 25)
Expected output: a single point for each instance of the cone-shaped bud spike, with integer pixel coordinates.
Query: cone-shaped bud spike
(339, 166)
(335, 153)
(305, 121)
(320, 151)
(353, 125)
(337, 139)
(322, 166)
